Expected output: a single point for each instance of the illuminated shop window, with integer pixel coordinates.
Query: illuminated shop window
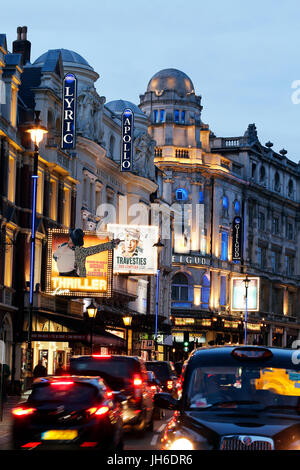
(224, 246)
(182, 194)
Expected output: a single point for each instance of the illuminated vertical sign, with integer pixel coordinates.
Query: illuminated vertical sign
(68, 138)
(237, 241)
(127, 140)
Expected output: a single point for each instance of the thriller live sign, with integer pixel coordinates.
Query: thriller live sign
(68, 137)
(127, 137)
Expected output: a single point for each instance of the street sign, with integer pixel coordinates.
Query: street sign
(147, 344)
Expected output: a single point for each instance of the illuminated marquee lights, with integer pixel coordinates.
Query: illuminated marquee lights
(79, 283)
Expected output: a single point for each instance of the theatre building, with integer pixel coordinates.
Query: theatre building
(209, 181)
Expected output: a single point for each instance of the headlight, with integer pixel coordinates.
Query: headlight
(181, 444)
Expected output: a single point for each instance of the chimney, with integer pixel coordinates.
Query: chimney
(22, 45)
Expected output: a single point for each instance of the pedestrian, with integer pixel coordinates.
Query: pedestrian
(39, 370)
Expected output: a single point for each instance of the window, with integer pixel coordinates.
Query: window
(224, 246)
(275, 225)
(53, 199)
(253, 171)
(262, 174)
(162, 115)
(40, 192)
(223, 290)
(176, 115)
(11, 179)
(201, 197)
(180, 289)
(275, 259)
(111, 145)
(205, 291)
(13, 109)
(250, 215)
(237, 207)
(67, 207)
(182, 194)
(8, 262)
(155, 115)
(183, 117)
(225, 205)
(277, 182)
(289, 265)
(290, 231)
(261, 257)
(261, 221)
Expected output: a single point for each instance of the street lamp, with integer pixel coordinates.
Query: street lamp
(159, 245)
(92, 310)
(37, 133)
(247, 282)
(127, 320)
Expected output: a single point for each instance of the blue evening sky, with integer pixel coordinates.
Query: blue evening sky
(242, 56)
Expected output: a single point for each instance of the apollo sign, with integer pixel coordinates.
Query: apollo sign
(237, 249)
(127, 140)
(69, 112)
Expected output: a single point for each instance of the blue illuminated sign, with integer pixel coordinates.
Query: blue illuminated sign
(68, 140)
(237, 245)
(127, 140)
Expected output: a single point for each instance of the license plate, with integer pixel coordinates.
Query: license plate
(60, 435)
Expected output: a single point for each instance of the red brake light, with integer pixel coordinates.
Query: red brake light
(137, 381)
(101, 355)
(62, 382)
(170, 384)
(245, 353)
(153, 387)
(98, 411)
(21, 411)
(31, 444)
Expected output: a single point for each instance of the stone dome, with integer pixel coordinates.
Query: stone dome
(69, 59)
(118, 106)
(171, 79)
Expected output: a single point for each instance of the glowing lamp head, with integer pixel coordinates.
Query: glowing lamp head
(127, 320)
(92, 310)
(37, 132)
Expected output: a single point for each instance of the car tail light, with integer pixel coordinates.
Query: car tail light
(98, 411)
(101, 355)
(137, 381)
(153, 387)
(88, 444)
(31, 445)
(22, 411)
(170, 384)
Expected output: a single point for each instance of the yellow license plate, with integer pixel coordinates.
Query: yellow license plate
(61, 435)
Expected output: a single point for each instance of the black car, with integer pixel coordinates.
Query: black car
(166, 374)
(68, 413)
(236, 398)
(127, 377)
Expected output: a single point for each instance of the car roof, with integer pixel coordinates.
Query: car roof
(217, 354)
(97, 382)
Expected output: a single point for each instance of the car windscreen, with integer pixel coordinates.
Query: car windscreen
(243, 386)
(160, 369)
(68, 394)
(116, 373)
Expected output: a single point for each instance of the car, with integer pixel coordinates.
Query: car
(178, 367)
(236, 398)
(68, 413)
(127, 377)
(166, 374)
(155, 387)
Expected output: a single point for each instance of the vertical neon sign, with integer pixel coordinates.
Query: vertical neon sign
(68, 138)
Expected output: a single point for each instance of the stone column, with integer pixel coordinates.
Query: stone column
(270, 342)
(284, 338)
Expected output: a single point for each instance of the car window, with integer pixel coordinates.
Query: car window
(160, 369)
(69, 394)
(116, 373)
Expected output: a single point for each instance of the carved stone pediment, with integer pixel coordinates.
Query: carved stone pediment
(143, 156)
(90, 114)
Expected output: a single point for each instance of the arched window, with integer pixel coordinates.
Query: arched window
(182, 194)
(205, 291)
(237, 207)
(262, 174)
(277, 182)
(291, 188)
(180, 287)
(225, 203)
(201, 197)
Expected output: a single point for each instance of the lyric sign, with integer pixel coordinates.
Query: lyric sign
(127, 140)
(68, 138)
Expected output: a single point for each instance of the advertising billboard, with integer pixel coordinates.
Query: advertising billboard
(238, 294)
(83, 270)
(135, 254)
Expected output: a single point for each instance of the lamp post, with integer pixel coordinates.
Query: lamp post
(37, 133)
(159, 245)
(247, 282)
(92, 310)
(127, 320)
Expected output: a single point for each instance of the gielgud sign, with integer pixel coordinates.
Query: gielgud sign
(79, 263)
(135, 254)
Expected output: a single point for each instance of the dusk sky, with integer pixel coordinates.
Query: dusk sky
(242, 57)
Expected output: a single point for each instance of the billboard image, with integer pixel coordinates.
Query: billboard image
(81, 270)
(135, 254)
(238, 294)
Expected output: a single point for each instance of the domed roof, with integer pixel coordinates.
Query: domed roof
(69, 58)
(171, 79)
(118, 106)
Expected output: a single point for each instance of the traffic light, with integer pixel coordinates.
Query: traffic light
(186, 342)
